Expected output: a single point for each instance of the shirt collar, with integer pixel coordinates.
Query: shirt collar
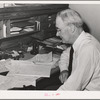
(78, 41)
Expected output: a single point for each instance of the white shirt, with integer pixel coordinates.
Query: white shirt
(86, 64)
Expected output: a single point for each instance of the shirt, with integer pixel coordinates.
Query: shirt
(86, 64)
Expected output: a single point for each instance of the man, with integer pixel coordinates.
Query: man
(85, 74)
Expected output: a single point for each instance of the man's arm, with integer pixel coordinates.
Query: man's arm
(83, 70)
(64, 60)
(63, 65)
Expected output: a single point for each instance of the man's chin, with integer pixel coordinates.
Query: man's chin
(66, 42)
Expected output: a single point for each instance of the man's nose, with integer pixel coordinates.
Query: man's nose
(57, 34)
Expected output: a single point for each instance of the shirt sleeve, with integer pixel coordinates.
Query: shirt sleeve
(84, 69)
(64, 60)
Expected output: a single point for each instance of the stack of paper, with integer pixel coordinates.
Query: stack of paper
(8, 82)
(42, 58)
(19, 81)
(28, 68)
(2, 67)
(52, 42)
(25, 72)
(13, 80)
(15, 29)
(45, 60)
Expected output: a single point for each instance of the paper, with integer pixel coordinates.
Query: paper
(28, 29)
(8, 82)
(14, 33)
(15, 29)
(22, 72)
(53, 64)
(5, 82)
(20, 80)
(20, 67)
(25, 72)
(2, 67)
(52, 41)
(43, 58)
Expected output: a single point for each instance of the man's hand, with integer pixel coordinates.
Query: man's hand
(63, 76)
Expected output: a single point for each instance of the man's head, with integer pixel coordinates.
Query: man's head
(69, 25)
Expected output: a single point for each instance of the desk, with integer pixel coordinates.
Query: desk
(41, 83)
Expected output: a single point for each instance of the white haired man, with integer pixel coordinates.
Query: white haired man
(85, 74)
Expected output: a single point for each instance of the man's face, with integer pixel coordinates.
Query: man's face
(63, 31)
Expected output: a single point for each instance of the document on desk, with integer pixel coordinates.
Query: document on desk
(25, 72)
(4, 82)
(53, 64)
(28, 68)
(2, 67)
(8, 82)
(45, 59)
(19, 81)
(42, 58)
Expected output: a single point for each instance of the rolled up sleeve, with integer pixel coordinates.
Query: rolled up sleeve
(83, 70)
(64, 60)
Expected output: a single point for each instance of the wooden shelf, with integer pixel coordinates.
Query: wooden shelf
(30, 10)
(15, 16)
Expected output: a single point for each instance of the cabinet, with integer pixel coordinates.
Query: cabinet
(35, 20)
(28, 19)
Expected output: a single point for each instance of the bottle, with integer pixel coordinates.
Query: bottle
(35, 49)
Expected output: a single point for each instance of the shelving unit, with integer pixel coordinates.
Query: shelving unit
(21, 16)
(34, 21)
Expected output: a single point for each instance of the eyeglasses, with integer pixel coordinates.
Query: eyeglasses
(58, 30)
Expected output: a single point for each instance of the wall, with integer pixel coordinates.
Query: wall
(91, 15)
